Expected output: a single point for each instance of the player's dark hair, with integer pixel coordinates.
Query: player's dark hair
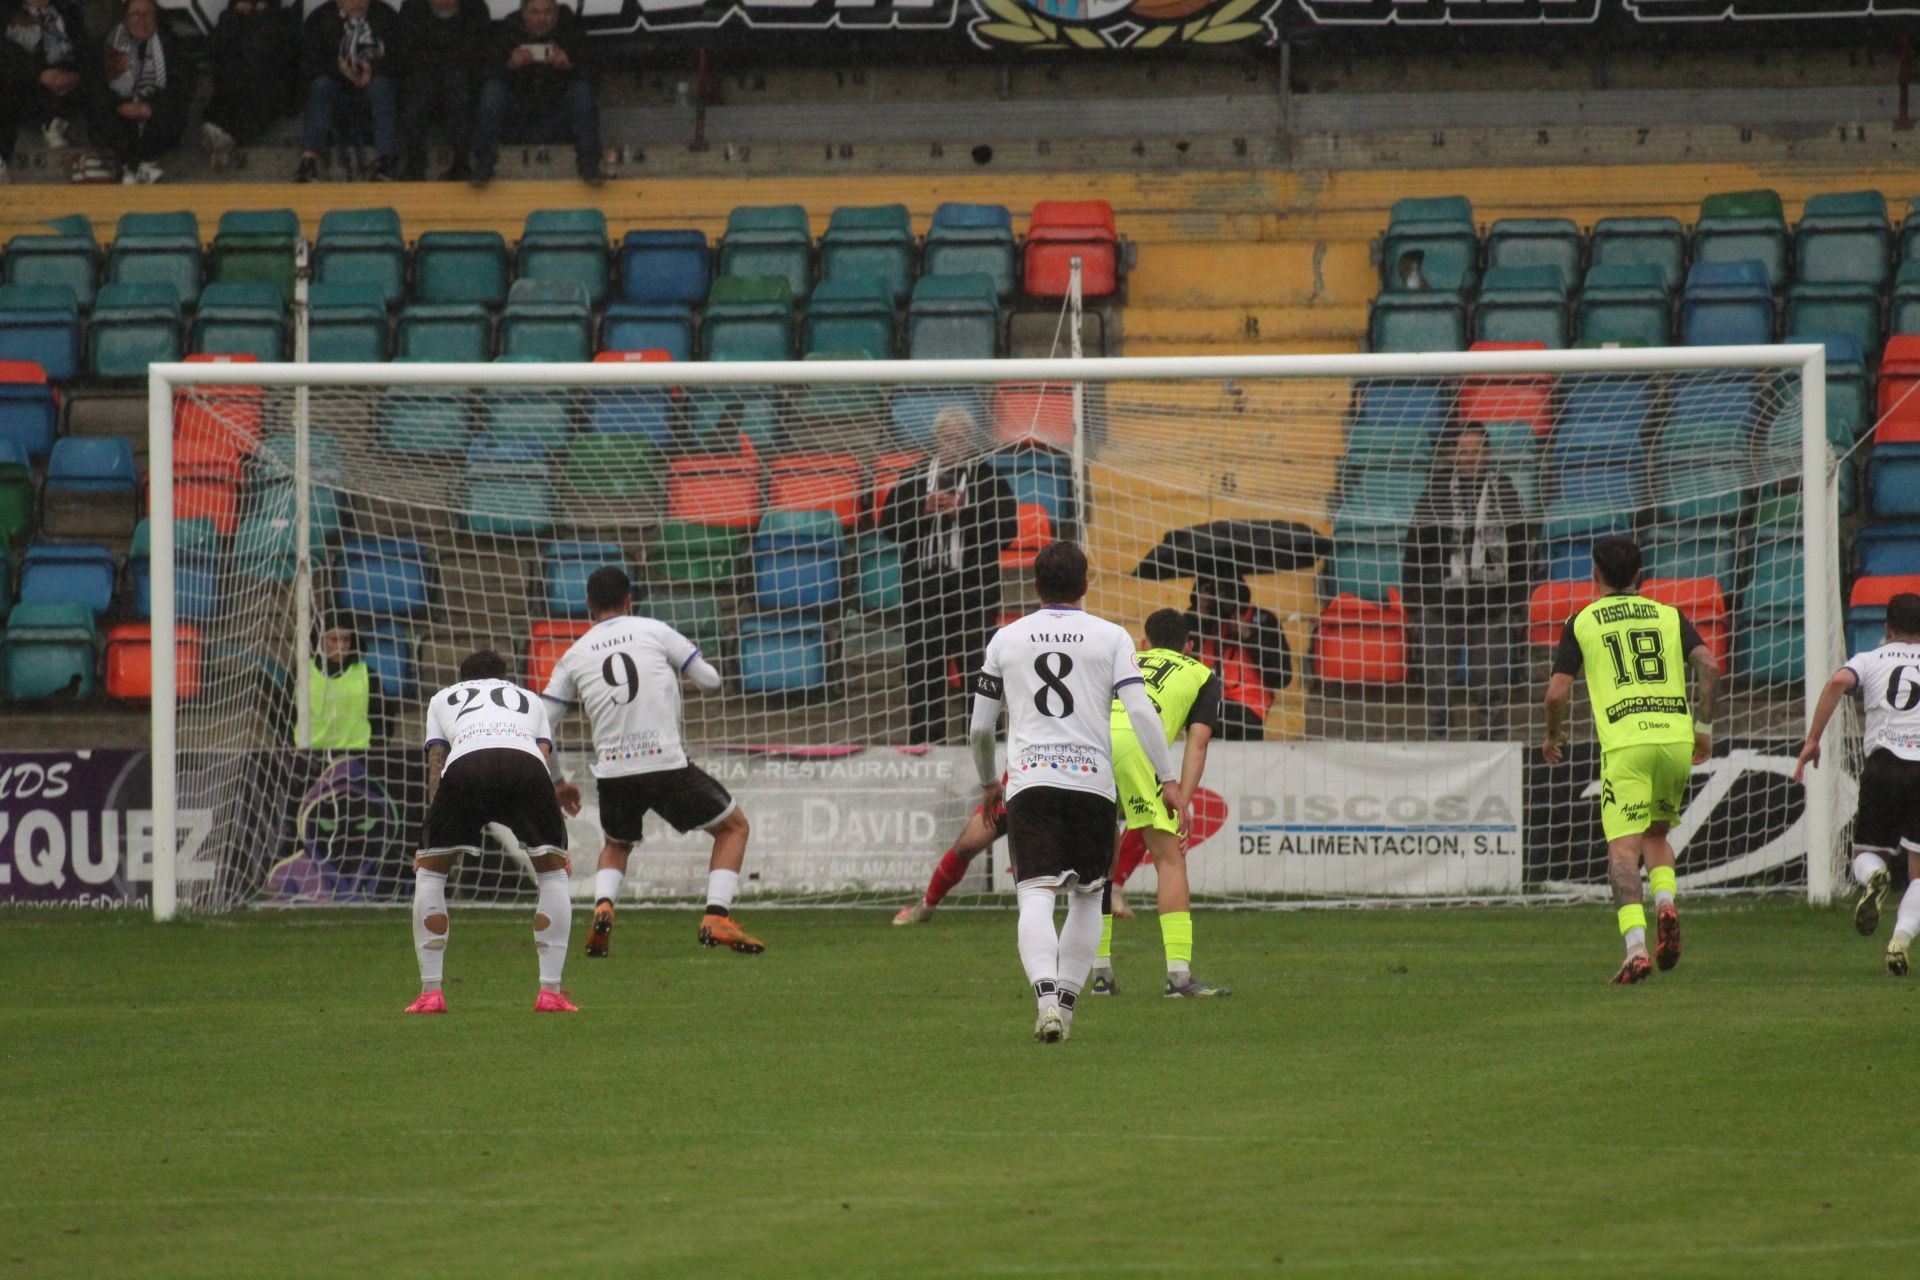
(1060, 573)
(483, 664)
(608, 588)
(1168, 629)
(1903, 614)
(1617, 560)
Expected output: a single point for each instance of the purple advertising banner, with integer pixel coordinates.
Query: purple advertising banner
(76, 829)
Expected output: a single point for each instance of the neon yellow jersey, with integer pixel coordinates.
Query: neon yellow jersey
(1182, 690)
(1634, 652)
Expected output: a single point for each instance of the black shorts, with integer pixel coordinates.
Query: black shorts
(1056, 833)
(687, 797)
(1889, 815)
(497, 784)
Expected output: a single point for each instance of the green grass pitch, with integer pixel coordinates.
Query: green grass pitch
(1429, 1093)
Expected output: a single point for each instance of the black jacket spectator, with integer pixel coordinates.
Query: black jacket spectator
(444, 44)
(256, 69)
(361, 38)
(538, 88)
(61, 67)
(321, 36)
(140, 111)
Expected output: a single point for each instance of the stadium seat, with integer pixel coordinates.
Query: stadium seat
(732, 419)
(624, 465)
(383, 577)
(1413, 322)
(1038, 477)
(1844, 239)
(451, 267)
(848, 315)
(206, 479)
(548, 642)
(953, 318)
(1642, 242)
(1060, 231)
(703, 554)
(1703, 548)
(91, 489)
(835, 416)
(816, 482)
(508, 489)
(1395, 424)
(1568, 533)
(29, 408)
(769, 241)
(1535, 242)
(715, 489)
(1361, 642)
(445, 332)
(796, 560)
(1903, 312)
(1704, 604)
(270, 488)
(16, 496)
(1551, 604)
(49, 651)
(1893, 480)
(40, 324)
(346, 323)
(643, 411)
(65, 260)
(1851, 309)
(68, 573)
(133, 326)
(240, 319)
(665, 267)
(1849, 412)
(196, 569)
(535, 418)
(916, 407)
(881, 577)
(1441, 231)
(1033, 413)
(158, 249)
(647, 326)
(1899, 391)
(1625, 302)
(749, 318)
(362, 246)
(549, 321)
(870, 244)
(565, 571)
(428, 422)
(391, 655)
(1726, 304)
(1520, 398)
(1867, 609)
(1604, 417)
(1770, 626)
(692, 611)
(130, 661)
(1745, 226)
(1522, 304)
(231, 417)
(566, 247)
(1369, 550)
(966, 239)
(256, 246)
(1890, 549)
(6, 582)
(1036, 533)
(782, 655)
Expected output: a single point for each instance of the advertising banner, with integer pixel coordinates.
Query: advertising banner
(76, 830)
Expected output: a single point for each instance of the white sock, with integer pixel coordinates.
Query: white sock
(551, 942)
(1662, 898)
(1079, 942)
(1907, 923)
(606, 883)
(1039, 945)
(721, 886)
(429, 899)
(1636, 940)
(1865, 864)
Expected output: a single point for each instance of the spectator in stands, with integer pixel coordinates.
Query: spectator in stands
(59, 66)
(140, 113)
(344, 709)
(1248, 651)
(538, 89)
(445, 42)
(348, 49)
(1467, 570)
(256, 72)
(950, 521)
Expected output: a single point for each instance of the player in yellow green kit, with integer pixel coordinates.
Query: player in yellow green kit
(1186, 693)
(1635, 653)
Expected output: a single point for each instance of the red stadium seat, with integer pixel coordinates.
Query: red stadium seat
(1510, 397)
(549, 640)
(656, 355)
(1062, 230)
(1036, 531)
(1034, 413)
(231, 413)
(206, 474)
(887, 470)
(1361, 642)
(816, 482)
(1899, 391)
(130, 661)
(1704, 604)
(717, 489)
(1552, 604)
(1878, 591)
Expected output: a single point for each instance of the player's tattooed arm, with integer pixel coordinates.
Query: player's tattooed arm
(1559, 696)
(436, 764)
(1707, 672)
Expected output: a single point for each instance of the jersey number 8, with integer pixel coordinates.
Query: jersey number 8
(1053, 668)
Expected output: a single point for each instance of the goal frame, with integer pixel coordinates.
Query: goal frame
(1819, 501)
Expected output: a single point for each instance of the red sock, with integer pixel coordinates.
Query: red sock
(952, 869)
(1133, 851)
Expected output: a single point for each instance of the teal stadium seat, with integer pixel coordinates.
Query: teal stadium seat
(953, 318)
(567, 247)
(460, 267)
(1641, 242)
(69, 260)
(694, 612)
(1702, 459)
(1909, 232)
(1535, 242)
(881, 576)
(783, 654)
(363, 246)
(509, 491)
(256, 246)
(40, 324)
(649, 326)
(429, 422)
(1849, 398)
(1441, 230)
(1844, 239)
(749, 318)
(1516, 452)
(547, 320)
(1744, 226)
(445, 332)
(346, 323)
(158, 248)
(534, 420)
(968, 239)
(1903, 313)
(769, 241)
(1411, 322)
(1852, 309)
(241, 319)
(1625, 303)
(134, 325)
(849, 315)
(49, 650)
(870, 244)
(1522, 304)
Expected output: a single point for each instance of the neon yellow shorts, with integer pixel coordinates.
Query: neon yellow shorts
(1643, 784)
(1140, 800)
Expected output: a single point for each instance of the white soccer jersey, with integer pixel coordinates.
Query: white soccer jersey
(1057, 671)
(476, 715)
(625, 674)
(1890, 695)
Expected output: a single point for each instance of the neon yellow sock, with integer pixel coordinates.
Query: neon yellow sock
(1176, 931)
(1106, 938)
(1632, 916)
(1660, 880)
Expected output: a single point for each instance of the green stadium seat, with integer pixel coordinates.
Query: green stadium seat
(699, 554)
(72, 261)
(1852, 309)
(134, 325)
(749, 318)
(346, 323)
(1844, 239)
(460, 266)
(49, 650)
(363, 246)
(1763, 203)
(433, 422)
(1413, 322)
(694, 613)
(567, 246)
(849, 315)
(449, 332)
(158, 248)
(624, 465)
(1535, 242)
(769, 241)
(16, 497)
(1655, 242)
(966, 239)
(547, 320)
(1522, 304)
(870, 244)
(1744, 226)
(241, 319)
(953, 318)
(256, 246)
(1625, 302)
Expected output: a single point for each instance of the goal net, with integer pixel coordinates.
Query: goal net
(1376, 554)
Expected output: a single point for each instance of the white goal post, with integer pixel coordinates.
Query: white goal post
(1240, 416)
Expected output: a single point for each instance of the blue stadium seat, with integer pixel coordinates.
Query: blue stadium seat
(782, 655)
(670, 267)
(1396, 424)
(72, 261)
(969, 239)
(41, 324)
(68, 573)
(509, 490)
(567, 567)
(346, 323)
(649, 326)
(566, 247)
(158, 249)
(196, 570)
(547, 320)
(453, 267)
(241, 319)
(1602, 418)
(383, 577)
(389, 648)
(49, 650)
(29, 411)
(1039, 477)
(1893, 481)
(91, 489)
(133, 326)
(362, 246)
(1726, 304)
(796, 561)
(1706, 548)
(1889, 550)
(882, 580)
(647, 411)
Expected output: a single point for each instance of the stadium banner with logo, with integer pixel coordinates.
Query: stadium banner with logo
(936, 29)
(76, 830)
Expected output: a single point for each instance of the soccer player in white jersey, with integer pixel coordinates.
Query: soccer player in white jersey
(488, 751)
(1058, 671)
(625, 674)
(1888, 682)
